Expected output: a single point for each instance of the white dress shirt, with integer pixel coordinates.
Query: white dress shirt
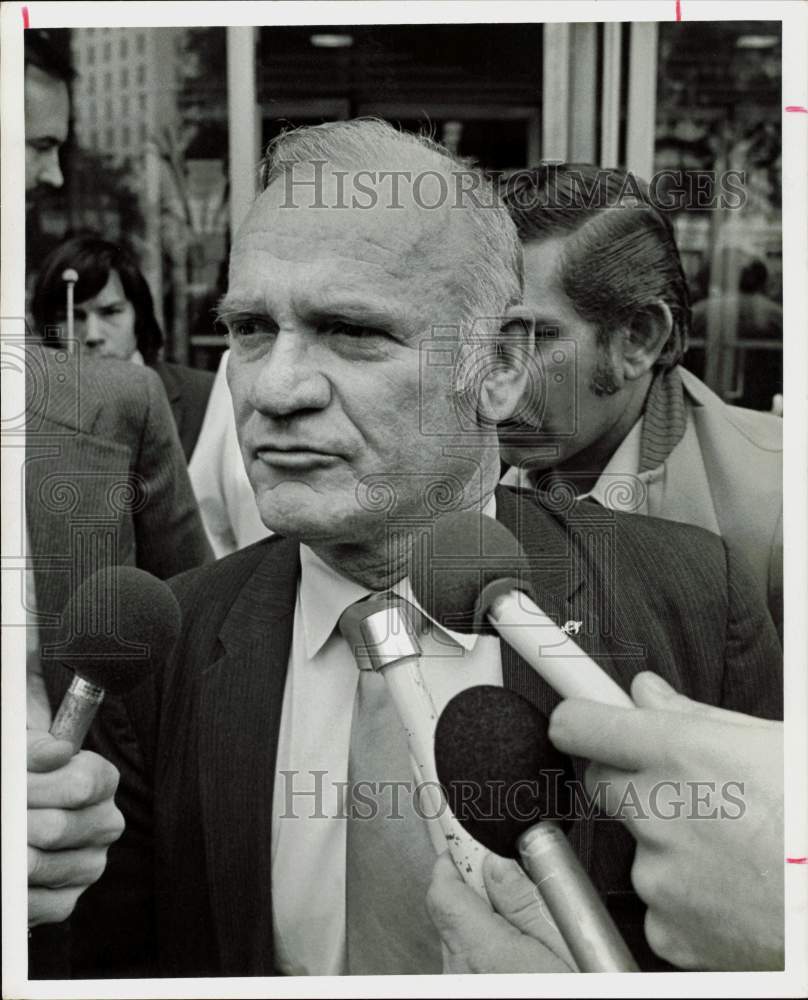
(619, 486)
(308, 849)
(219, 480)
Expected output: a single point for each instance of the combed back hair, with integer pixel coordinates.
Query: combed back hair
(48, 50)
(492, 272)
(619, 254)
(94, 259)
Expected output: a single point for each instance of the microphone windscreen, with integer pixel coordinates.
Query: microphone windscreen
(118, 626)
(499, 770)
(469, 552)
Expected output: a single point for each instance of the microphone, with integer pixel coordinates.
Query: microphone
(118, 626)
(482, 590)
(495, 762)
(381, 635)
(70, 276)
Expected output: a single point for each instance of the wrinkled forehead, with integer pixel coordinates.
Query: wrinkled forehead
(371, 213)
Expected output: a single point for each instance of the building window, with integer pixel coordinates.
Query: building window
(107, 80)
(91, 83)
(91, 55)
(124, 76)
(124, 48)
(142, 102)
(94, 137)
(108, 108)
(125, 105)
(126, 135)
(110, 137)
(141, 73)
(140, 44)
(107, 51)
(143, 132)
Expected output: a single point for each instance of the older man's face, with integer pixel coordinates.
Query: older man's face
(327, 311)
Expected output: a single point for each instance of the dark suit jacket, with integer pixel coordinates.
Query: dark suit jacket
(188, 390)
(105, 479)
(103, 464)
(197, 790)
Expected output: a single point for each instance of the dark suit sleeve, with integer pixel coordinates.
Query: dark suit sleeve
(753, 665)
(169, 534)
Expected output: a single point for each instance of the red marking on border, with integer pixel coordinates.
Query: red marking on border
(25, 21)
(797, 861)
(678, 10)
(797, 107)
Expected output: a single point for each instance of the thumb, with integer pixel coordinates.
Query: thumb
(514, 895)
(37, 705)
(44, 753)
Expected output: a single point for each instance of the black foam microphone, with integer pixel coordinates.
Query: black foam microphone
(118, 626)
(509, 788)
(479, 579)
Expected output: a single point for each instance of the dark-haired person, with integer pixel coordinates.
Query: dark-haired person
(749, 314)
(114, 318)
(618, 419)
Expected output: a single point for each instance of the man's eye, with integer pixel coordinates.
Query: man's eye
(357, 331)
(247, 326)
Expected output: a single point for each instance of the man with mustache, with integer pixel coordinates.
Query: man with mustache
(377, 341)
(620, 419)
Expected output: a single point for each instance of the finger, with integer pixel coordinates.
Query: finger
(622, 737)
(519, 901)
(64, 869)
(64, 829)
(456, 910)
(46, 753)
(51, 906)
(606, 788)
(84, 780)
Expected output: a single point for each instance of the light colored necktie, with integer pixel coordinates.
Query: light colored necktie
(389, 854)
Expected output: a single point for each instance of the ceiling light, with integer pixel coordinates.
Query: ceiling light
(329, 41)
(756, 41)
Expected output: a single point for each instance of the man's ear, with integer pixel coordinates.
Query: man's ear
(507, 381)
(644, 338)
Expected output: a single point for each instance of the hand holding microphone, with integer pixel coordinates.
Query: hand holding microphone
(710, 855)
(72, 817)
(509, 788)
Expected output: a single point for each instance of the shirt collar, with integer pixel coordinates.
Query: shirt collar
(324, 594)
(624, 464)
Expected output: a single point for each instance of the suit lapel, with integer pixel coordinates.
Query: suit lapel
(574, 572)
(240, 702)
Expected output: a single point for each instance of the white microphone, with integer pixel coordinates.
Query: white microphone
(380, 633)
(478, 593)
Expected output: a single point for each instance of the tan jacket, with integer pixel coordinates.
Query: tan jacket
(726, 475)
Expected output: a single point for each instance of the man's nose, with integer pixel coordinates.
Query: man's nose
(50, 172)
(289, 379)
(94, 334)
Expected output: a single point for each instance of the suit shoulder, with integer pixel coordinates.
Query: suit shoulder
(763, 431)
(222, 580)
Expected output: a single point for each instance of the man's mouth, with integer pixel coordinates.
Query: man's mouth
(295, 457)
